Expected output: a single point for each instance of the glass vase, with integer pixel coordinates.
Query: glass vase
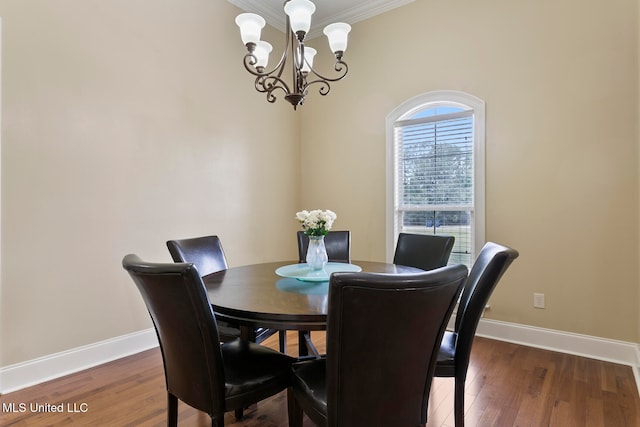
(316, 253)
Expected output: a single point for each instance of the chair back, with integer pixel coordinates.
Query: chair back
(338, 244)
(491, 263)
(384, 377)
(204, 252)
(185, 324)
(424, 251)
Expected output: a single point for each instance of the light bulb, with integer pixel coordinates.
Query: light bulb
(309, 53)
(250, 27)
(338, 35)
(262, 51)
(299, 12)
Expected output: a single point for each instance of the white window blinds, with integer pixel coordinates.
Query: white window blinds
(434, 178)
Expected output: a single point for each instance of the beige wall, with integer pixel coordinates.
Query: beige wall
(127, 123)
(561, 93)
(638, 147)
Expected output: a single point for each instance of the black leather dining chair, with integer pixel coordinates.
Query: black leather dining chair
(379, 379)
(207, 255)
(423, 251)
(338, 244)
(455, 350)
(200, 371)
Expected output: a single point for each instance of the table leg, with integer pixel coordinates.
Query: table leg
(248, 333)
(305, 346)
(303, 350)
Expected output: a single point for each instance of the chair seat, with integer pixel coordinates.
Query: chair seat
(227, 331)
(445, 366)
(248, 366)
(310, 376)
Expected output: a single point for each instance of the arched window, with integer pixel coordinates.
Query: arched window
(435, 171)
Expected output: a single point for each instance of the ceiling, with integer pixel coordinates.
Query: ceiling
(327, 11)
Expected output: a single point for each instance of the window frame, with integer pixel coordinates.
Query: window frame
(403, 112)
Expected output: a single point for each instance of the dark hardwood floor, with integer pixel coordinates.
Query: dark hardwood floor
(508, 385)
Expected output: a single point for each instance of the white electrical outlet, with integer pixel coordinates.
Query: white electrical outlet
(538, 300)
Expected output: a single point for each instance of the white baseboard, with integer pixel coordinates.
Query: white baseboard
(621, 352)
(625, 353)
(39, 370)
(36, 371)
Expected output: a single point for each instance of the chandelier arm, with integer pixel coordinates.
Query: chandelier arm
(340, 67)
(250, 61)
(324, 89)
(283, 58)
(268, 84)
(279, 67)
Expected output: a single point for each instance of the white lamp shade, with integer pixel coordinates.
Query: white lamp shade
(309, 53)
(299, 12)
(338, 35)
(262, 51)
(251, 26)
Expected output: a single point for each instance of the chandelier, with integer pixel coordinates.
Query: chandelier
(304, 75)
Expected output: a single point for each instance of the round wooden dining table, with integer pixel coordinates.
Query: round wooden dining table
(254, 295)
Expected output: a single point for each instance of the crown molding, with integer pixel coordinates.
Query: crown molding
(363, 11)
(275, 18)
(359, 12)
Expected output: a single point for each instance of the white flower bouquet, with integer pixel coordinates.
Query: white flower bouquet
(316, 222)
